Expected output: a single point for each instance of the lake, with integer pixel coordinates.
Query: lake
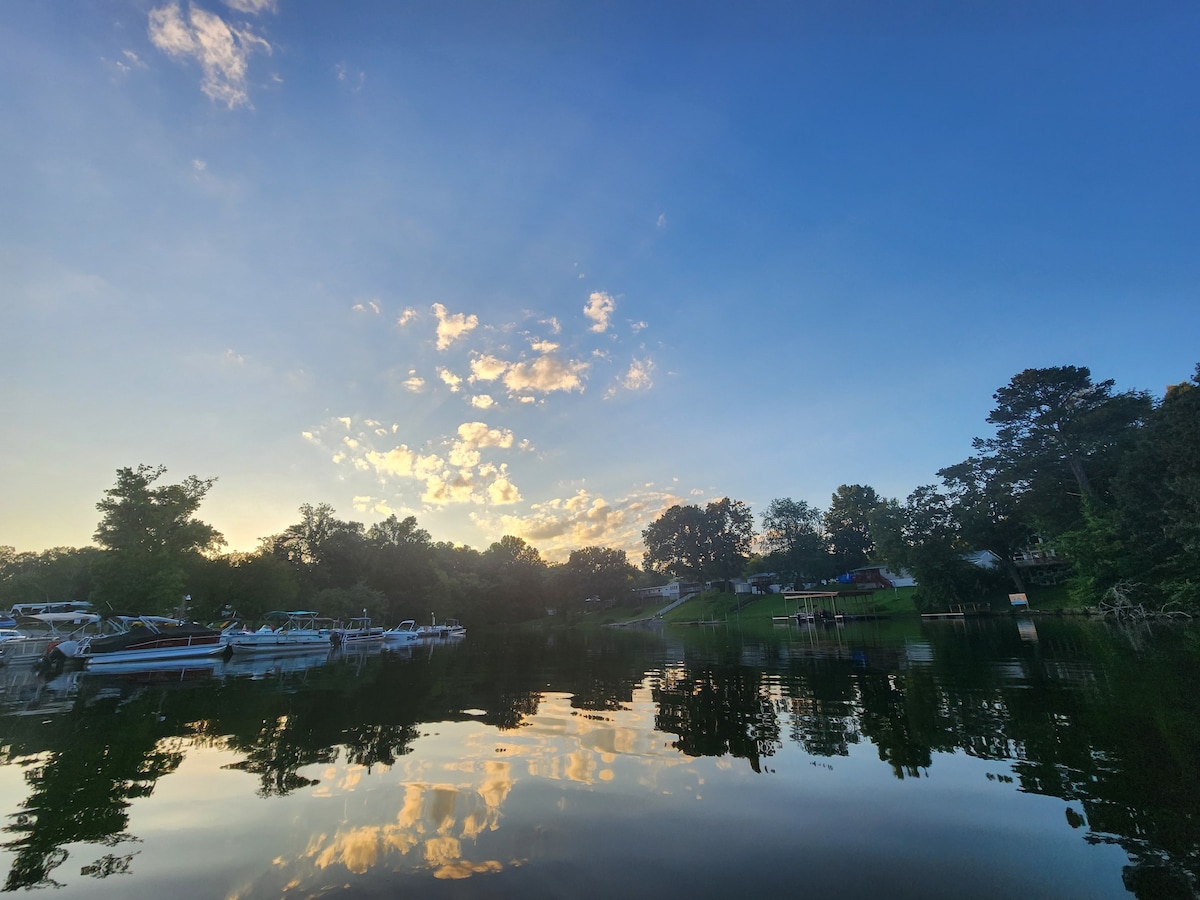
(1037, 757)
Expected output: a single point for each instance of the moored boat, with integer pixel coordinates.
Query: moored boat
(284, 632)
(403, 633)
(357, 631)
(141, 638)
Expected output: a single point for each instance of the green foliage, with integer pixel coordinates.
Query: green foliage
(848, 526)
(795, 543)
(150, 533)
(700, 544)
(57, 575)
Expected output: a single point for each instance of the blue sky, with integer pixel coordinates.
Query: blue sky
(547, 268)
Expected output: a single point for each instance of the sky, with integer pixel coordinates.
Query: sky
(549, 267)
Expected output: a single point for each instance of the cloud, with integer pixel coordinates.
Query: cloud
(222, 51)
(253, 7)
(543, 346)
(478, 434)
(414, 383)
(452, 326)
(599, 309)
(558, 526)
(370, 305)
(487, 368)
(662, 221)
(482, 401)
(545, 374)
(636, 378)
(407, 316)
(637, 327)
(451, 380)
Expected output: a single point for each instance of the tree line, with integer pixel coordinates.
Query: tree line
(1108, 481)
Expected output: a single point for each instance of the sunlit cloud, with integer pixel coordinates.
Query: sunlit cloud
(636, 378)
(543, 346)
(558, 526)
(482, 401)
(486, 367)
(408, 315)
(370, 306)
(478, 434)
(553, 324)
(414, 383)
(451, 380)
(221, 50)
(452, 326)
(253, 7)
(599, 309)
(544, 375)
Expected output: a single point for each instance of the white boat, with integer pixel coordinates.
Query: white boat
(449, 628)
(357, 632)
(296, 632)
(404, 633)
(34, 634)
(141, 639)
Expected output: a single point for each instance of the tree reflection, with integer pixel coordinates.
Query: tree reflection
(717, 712)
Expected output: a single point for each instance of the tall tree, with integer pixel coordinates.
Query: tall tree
(848, 525)
(150, 533)
(700, 544)
(601, 572)
(1055, 430)
(793, 538)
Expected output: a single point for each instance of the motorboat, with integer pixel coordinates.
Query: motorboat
(357, 632)
(283, 632)
(34, 634)
(404, 633)
(447, 629)
(141, 638)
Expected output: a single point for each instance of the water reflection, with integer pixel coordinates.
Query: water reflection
(515, 756)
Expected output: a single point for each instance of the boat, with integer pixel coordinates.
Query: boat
(404, 633)
(357, 632)
(30, 640)
(284, 632)
(449, 628)
(140, 639)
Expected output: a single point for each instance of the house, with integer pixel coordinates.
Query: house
(873, 578)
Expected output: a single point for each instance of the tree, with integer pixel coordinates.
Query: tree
(700, 544)
(149, 534)
(793, 539)
(1055, 433)
(601, 572)
(848, 525)
(517, 575)
(924, 537)
(324, 551)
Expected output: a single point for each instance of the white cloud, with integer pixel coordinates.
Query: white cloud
(407, 316)
(414, 383)
(543, 346)
(545, 374)
(369, 306)
(487, 368)
(637, 327)
(253, 7)
(478, 434)
(452, 326)
(345, 420)
(662, 221)
(638, 378)
(599, 309)
(234, 358)
(558, 526)
(222, 51)
(482, 401)
(451, 380)
(553, 324)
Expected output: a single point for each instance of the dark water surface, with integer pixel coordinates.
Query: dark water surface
(1004, 758)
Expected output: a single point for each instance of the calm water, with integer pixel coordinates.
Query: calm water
(1005, 759)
